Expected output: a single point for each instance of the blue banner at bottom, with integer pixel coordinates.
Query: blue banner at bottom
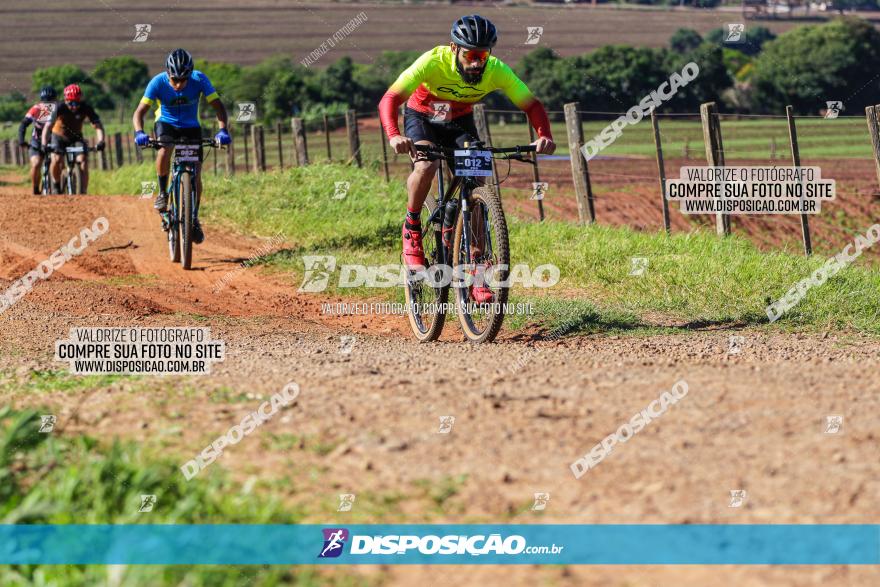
(570, 544)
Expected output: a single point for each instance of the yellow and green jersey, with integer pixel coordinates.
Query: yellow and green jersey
(434, 79)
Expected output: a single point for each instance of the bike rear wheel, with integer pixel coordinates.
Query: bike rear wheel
(77, 185)
(68, 182)
(481, 322)
(427, 294)
(173, 230)
(186, 219)
(46, 178)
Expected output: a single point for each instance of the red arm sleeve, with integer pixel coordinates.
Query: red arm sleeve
(538, 119)
(388, 106)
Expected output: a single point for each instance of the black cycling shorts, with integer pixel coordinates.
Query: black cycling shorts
(35, 149)
(454, 133)
(58, 144)
(169, 133)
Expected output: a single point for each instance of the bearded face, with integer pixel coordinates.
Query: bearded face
(471, 73)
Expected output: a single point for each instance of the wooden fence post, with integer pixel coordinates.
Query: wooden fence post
(327, 138)
(278, 129)
(536, 175)
(580, 172)
(247, 148)
(128, 148)
(230, 159)
(796, 161)
(714, 154)
(103, 162)
(485, 135)
(661, 169)
(300, 145)
(874, 130)
(384, 152)
(4, 152)
(117, 143)
(259, 148)
(354, 139)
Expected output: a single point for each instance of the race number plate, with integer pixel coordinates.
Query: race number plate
(78, 149)
(186, 152)
(470, 162)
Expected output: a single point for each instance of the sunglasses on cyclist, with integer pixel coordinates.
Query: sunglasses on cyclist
(179, 80)
(476, 54)
(73, 104)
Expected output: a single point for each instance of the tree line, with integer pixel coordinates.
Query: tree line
(760, 73)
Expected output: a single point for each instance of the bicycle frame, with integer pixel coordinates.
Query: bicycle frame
(70, 163)
(466, 186)
(178, 168)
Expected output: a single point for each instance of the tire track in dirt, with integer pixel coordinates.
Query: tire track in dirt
(751, 421)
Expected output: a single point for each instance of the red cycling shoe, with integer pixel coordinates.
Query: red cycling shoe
(413, 252)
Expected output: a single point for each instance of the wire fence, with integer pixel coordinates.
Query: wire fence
(620, 186)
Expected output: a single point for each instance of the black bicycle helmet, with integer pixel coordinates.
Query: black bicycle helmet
(179, 64)
(474, 32)
(48, 94)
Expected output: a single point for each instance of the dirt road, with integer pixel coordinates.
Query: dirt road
(367, 422)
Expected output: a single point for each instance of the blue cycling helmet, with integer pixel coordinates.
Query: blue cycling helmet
(179, 64)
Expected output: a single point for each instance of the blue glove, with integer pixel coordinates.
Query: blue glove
(141, 139)
(223, 137)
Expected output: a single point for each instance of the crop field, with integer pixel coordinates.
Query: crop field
(63, 31)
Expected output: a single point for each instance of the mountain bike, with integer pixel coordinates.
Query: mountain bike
(466, 243)
(71, 175)
(45, 176)
(178, 221)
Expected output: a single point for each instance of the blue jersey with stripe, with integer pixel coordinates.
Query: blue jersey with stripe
(180, 109)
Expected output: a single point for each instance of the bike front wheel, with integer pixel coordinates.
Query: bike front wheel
(173, 229)
(186, 219)
(428, 292)
(481, 256)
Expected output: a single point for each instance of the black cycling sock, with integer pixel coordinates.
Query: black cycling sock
(413, 218)
(163, 184)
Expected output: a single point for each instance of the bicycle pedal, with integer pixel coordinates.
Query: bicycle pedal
(166, 221)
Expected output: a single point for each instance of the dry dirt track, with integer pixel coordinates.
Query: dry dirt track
(752, 421)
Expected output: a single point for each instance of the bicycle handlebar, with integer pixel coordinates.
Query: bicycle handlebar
(155, 144)
(449, 151)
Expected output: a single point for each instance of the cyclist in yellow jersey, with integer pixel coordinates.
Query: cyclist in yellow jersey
(440, 88)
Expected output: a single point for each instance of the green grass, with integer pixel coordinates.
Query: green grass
(47, 479)
(54, 381)
(692, 279)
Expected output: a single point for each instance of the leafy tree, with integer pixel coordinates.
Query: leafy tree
(843, 56)
(337, 83)
(613, 78)
(539, 68)
(122, 77)
(709, 84)
(684, 40)
(60, 76)
(752, 42)
(13, 106)
(734, 61)
(226, 78)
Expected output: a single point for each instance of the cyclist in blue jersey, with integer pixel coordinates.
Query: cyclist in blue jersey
(177, 93)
